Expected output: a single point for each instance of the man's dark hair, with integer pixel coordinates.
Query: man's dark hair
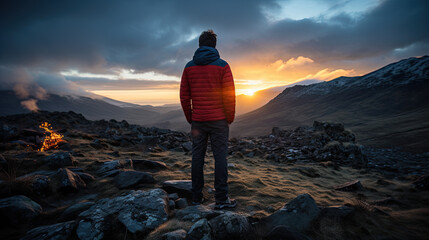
(208, 38)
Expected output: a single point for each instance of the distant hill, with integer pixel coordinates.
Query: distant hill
(387, 107)
(247, 103)
(97, 108)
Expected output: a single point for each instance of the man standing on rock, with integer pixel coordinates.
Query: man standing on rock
(207, 95)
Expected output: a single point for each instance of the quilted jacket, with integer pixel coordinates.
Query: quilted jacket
(207, 90)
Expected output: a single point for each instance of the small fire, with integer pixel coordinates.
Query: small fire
(51, 138)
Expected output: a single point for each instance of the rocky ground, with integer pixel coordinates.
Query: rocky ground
(113, 180)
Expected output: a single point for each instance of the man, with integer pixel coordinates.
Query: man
(207, 95)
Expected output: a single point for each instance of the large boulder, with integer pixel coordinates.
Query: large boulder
(111, 168)
(60, 159)
(296, 215)
(283, 233)
(200, 230)
(66, 181)
(182, 187)
(230, 225)
(18, 209)
(57, 231)
(129, 178)
(139, 211)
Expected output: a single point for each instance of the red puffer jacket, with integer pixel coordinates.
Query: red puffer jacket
(207, 90)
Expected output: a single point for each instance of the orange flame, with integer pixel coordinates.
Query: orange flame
(51, 138)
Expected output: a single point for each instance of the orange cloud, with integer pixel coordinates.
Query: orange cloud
(326, 74)
(292, 62)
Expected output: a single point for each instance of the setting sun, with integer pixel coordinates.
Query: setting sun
(249, 92)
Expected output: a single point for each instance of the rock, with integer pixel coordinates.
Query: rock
(41, 185)
(57, 231)
(61, 159)
(97, 144)
(230, 225)
(86, 177)
(187, 146)
(31, 133)
(139, 211)
(129, 178)
(282, 233)
(110, 168)
(231, 165)
(195, 213)
(276, 131)
(148, 164)
(422, 183)
(296, 215)
(337, 211)
(182, 187)
(171, 204)
(18, 209)
(173, 196)
(307, 171)
(73, 211)
(349, 186)
(149, 140)
(114, 154)
(179, 234)
(181, 203)
(66, 181)
(200, 230)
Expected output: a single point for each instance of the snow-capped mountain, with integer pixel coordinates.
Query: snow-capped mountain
(398, 73)
(388, 107)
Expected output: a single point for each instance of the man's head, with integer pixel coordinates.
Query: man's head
(208, 38)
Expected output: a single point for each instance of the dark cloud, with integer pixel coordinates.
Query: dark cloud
(96, 36)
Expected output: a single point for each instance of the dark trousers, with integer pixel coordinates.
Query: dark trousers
(218, 132)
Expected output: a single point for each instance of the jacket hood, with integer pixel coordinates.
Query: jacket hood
(205, 55)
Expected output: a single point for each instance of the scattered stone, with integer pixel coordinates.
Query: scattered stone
(195, 213)
(57, 231)
(73, 211)
(349, 186)
(181, 203)
(86, 177)
(179, 234)
(173, 196)
(18, 209)
(231, 165)
(187, 146)
(282, 233)
(41, 185)
(337, 211)
(230, 225)
(296, 215)
(139, 211)
(129, 178)
(66, 181)
(307, 171)
(148, 164)
(182, 187)
(422, 183)
(200, 230)
(110, 168)
(114, 154)
(171, 204)
(61, 159)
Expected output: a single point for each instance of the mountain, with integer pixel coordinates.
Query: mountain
(98, 108)
(247, 103)
(387, 107)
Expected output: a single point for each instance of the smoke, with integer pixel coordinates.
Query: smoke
(33, 86)
(30, 104)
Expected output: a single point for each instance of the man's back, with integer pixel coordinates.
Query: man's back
(207, 81)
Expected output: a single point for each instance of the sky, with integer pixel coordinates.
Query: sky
(135, 51)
